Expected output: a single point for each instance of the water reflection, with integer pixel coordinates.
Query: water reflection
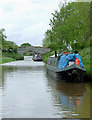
(28, 92)
(25, 93)
(68, 97)
(0, 92)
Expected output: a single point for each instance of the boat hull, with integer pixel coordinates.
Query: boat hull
(72, 73)
(37, 60)
(34, 59)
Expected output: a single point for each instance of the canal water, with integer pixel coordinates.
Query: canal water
(28, 92)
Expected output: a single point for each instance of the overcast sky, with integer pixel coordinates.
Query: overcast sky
(27, 20)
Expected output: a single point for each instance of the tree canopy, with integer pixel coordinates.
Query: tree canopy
(6, 46)
(69, 26)
(25, 44)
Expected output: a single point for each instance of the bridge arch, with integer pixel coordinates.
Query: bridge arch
(40, 50)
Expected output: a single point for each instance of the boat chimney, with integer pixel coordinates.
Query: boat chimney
(55, 53)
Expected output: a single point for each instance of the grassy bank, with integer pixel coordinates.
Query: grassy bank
(6, 60)
(86, 59)
(6, 57)
(13, 55)
(84, 53)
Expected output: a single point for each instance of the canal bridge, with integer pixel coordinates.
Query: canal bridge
(33, 49)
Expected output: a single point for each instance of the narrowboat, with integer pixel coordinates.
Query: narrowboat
(71, 72)
(37, 58)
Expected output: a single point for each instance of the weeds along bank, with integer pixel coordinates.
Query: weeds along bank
(84, 53)
(6, 60)
(6, 57)
(86, 58)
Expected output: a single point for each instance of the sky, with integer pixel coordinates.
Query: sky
(26, 21)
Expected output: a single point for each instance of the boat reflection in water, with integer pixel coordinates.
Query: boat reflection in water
(69, 96)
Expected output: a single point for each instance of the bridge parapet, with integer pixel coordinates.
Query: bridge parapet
(40, 50)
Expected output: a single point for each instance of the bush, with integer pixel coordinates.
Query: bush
(6, 60)
(13, 55)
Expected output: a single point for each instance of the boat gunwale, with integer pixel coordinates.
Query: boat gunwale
(73, 66)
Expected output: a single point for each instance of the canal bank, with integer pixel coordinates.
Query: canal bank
(6, 57)
(28, 92)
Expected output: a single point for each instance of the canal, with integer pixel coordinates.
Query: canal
(28, 92)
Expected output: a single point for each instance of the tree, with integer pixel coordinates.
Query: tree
(70, 24)
(7, 46)
(25, 45)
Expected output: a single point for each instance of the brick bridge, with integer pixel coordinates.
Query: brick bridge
(32, 49)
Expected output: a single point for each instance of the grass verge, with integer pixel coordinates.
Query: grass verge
(6, 57)
(6, 60)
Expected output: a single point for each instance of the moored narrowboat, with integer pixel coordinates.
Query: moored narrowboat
(71, 72)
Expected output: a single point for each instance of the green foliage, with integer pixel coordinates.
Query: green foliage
(6, 60)
(46, 56)
(30, 54)
(13, 55)
(7, 46)
(27, 53)
(86, 59)
(9, 49)
(25, 45)
(70, 24)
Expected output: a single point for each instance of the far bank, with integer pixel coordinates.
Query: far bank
(6, 57)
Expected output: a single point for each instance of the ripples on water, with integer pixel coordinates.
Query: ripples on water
(28, 92)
